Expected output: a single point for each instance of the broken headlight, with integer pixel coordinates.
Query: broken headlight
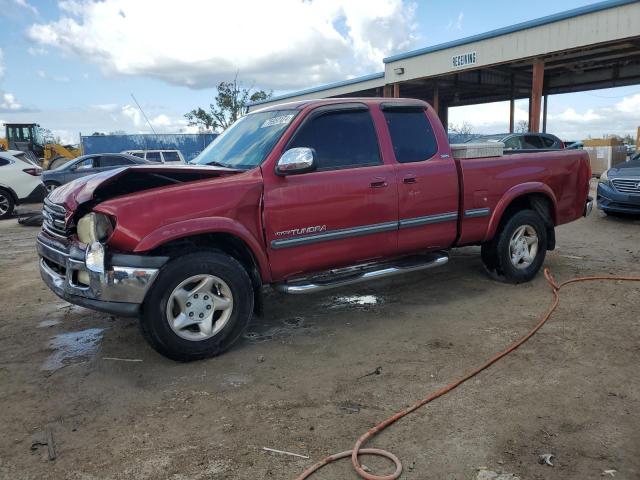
(94, 227)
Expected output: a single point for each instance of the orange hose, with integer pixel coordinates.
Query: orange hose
(357, 448)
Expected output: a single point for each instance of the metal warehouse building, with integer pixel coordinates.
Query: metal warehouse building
(597, 46)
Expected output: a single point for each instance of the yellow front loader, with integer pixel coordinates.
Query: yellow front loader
(28, 137)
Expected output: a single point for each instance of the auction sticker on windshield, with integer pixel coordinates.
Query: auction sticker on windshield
(281, 120)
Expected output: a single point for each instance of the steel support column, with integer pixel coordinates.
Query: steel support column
(537, 80)
(436, 98)
(544, 114)
(512, 111)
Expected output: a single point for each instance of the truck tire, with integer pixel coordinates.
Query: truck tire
(7, 204)
(518, 250)
(199, 305)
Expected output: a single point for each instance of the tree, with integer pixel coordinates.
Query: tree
(522, 126)
(464, 128)
(230, 104)
(49, 136)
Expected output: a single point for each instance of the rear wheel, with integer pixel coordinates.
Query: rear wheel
(199, 305)
(7, 204)
(518, 250)
(51, 186)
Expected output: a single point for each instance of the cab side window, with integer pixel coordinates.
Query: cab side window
(411, 134)
(341, 139)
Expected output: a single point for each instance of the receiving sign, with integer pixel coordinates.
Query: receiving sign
(464, 60)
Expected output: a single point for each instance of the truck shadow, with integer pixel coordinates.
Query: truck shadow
(315, 314)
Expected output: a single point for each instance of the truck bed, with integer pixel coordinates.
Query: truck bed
(493, 182)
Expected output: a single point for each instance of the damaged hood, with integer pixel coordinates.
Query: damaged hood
(122, 181)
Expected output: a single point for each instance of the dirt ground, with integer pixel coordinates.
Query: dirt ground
(297, 381)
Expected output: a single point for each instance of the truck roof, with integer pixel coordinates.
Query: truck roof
(300, 104)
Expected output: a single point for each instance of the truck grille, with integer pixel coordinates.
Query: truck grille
(627, 185)
(53, 219)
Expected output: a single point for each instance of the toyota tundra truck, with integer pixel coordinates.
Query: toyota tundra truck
(302, 196)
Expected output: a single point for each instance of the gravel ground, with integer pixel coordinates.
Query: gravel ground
(297, 381)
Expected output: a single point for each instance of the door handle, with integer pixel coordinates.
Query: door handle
(378, 182)
(409, 179)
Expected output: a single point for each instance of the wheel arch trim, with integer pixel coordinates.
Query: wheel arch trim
(515, 193)
(208, 225)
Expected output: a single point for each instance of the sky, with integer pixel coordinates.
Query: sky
(72, 65)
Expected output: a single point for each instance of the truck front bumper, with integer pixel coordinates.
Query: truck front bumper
(119, 290)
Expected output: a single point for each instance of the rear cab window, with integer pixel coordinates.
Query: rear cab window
(341, 139)
(411, 134)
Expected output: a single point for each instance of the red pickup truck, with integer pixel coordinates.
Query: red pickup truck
(303, 196)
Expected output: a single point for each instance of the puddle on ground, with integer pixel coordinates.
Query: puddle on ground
(355, 301)
(72, 347)
(48, 323)
(258, 333)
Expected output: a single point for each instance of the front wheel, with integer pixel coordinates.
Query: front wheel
(518, 250)
(6, 204)
(199, 305)
(50, 186)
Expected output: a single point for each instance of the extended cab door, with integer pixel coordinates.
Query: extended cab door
(343, 213)
(427, 179)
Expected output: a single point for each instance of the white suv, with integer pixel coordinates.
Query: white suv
(160, 156)
(20, 182)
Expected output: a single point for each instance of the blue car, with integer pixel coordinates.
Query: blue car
(619, 188)
(87, 165)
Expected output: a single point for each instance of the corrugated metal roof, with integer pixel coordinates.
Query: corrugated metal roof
(557, 17)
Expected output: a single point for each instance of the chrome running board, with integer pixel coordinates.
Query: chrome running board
(362, 273)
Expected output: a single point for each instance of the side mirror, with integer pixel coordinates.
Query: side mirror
(296, 160)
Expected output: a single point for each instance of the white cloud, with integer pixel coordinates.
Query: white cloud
(106, 107)
(26, 5)
(570, 115)
(630, 105)
(283, 45)
(488, 117)
(8, 102)
(621, 118)
(161, 123)
(56, 78)
(457, 23)
(36, 51)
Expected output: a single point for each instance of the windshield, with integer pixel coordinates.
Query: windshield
(247, 142)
